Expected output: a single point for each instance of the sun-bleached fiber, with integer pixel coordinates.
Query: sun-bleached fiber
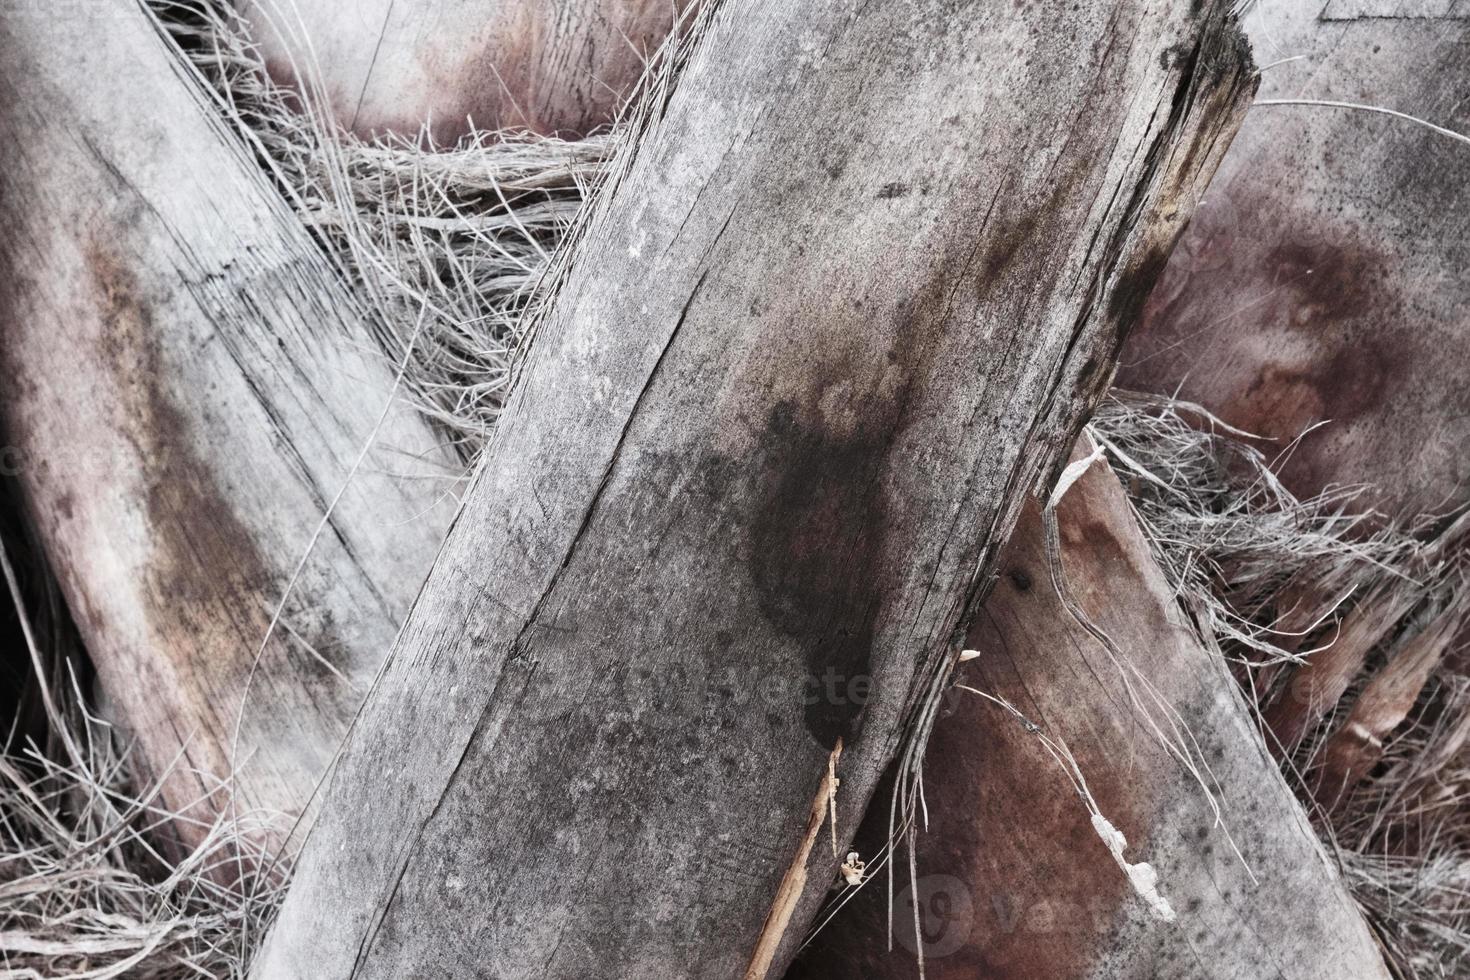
(464, 233)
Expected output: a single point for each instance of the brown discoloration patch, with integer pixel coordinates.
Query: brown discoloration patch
(1057, 894)
(1293, 337)
(201, 547)
(1372, 336)
(1034, 892)
(208, 584)
(1019, 885)
(1344, 381)
(1003, 248)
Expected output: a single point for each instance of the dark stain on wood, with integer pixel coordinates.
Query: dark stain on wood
(1125, 305)
(1020, 224)
(817, 550)
(1003, 247)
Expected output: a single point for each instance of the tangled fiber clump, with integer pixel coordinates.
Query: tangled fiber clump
(446, 245)
(453, 250)
(89, 884)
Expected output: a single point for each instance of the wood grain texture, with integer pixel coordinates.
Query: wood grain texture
(844, 310)
(186, 389)
(1015, 882)
(550, 66)
(1324, 277)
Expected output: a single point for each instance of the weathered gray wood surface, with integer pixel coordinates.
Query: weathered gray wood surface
(843, 311)
(1324, 276)
(1014, 880)
(549, 66)
(186, 397)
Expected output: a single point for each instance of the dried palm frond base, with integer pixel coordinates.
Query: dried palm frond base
(1343, 630)
(1347, 634)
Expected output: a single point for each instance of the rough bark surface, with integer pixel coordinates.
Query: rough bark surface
(768, 441)
(549, 66)
(183, 407)
(1323, 278)
(1014, 880)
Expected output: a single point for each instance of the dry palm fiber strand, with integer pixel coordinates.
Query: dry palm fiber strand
(461, 240)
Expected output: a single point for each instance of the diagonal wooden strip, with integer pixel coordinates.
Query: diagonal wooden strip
(188, 388)
(845, 308)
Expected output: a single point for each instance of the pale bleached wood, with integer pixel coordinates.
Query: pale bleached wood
(550, 66)
(844, 309)
(187, 389)
(1014, 880)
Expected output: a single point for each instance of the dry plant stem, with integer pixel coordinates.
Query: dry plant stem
(1350, 754)
(1015, 880)
(666, 498)
(789, 892)
(1314, 689)
(191, 386)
